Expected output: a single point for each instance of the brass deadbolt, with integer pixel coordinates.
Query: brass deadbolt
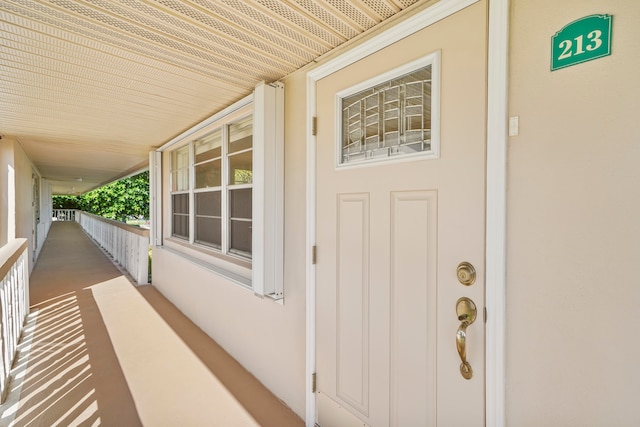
(466, 274)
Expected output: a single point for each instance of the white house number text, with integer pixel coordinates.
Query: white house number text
(593, 42)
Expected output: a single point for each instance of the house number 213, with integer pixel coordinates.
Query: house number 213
(580, 41)
(594, 41)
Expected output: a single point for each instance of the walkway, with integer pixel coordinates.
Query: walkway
(99, 351)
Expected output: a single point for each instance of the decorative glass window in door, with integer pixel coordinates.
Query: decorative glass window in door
(390, 118)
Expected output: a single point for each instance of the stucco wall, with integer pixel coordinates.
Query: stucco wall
(16, 196)
(16, 201)
(7, 210)
(573, 236)
(24, 199)
(46, 213)
(573, 228)
(266, 337)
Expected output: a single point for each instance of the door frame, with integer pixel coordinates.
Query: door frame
(495, 201)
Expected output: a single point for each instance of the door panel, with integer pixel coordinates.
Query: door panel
(352, 300)
(390, 236)
(413, 303)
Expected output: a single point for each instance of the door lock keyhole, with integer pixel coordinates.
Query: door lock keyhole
(466, 273)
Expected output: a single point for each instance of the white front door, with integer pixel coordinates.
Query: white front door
(390, 236)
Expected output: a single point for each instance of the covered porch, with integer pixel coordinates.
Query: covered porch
(239, 110)
(98, 350)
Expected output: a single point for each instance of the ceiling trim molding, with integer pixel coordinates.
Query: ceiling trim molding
(403, 29)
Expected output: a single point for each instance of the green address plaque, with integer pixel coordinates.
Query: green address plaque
(582, 40)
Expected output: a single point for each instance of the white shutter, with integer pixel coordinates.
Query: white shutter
(268, 186)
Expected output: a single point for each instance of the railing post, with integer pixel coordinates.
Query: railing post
(143, 259)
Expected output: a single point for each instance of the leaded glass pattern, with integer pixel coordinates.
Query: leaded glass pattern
(388, 119)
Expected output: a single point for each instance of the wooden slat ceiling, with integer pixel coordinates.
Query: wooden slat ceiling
(89, 87)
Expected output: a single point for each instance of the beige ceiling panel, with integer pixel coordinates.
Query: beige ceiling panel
(89, 87)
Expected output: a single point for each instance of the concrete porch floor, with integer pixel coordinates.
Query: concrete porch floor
(99, 351)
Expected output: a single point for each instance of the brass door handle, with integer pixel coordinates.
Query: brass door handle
(466, 311)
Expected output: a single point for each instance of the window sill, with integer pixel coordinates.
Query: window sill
(222, 272)
(235, 269)
(237, 279)
(211, 252)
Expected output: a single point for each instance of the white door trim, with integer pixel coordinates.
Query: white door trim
(495, 197)
(496, 206)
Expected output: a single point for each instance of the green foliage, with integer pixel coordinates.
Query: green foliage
(67, 202)
(118, 200)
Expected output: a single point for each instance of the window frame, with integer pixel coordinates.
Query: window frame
(206, 189)
(263, 272)
(225, 188)
(177, 190)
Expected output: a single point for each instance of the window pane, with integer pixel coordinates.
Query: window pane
(209, 174)
(180, 180)
(180, 203)
(180, 169)
(180, 211)
(181, 226)
(209, 147)
(240, 203)
(241, 168)
(208, 203)
(208, 221)
(241, 135)
(208, 231)
(180, 158)
(241, 237)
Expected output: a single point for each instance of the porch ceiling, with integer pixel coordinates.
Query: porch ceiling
(89, 87)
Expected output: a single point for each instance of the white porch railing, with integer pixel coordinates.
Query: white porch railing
(127, 245)
(14, 304)
(64, 215)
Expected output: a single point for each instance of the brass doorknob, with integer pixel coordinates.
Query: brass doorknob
(467, 312)
(466, 273)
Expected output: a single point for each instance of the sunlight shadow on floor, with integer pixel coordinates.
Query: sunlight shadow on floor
(263, 405)
(66, 372)
(170, 385)
(96, 350)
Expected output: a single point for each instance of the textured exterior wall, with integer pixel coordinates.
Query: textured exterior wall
(24, 199)
(573, 228)
(7, 198)
(266, 337)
